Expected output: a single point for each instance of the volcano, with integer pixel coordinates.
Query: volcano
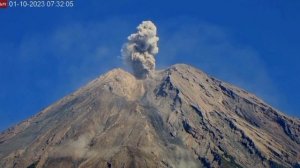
(178, 117)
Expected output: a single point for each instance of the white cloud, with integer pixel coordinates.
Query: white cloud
(140, 50)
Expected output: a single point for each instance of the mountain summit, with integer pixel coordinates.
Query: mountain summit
(178, 117)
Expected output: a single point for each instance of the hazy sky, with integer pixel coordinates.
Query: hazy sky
(46, 54)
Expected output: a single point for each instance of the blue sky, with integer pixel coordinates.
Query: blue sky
(46, 54)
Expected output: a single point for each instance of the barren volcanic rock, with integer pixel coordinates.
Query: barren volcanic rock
(178, 117)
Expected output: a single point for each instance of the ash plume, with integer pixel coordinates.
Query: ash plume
(140, 50)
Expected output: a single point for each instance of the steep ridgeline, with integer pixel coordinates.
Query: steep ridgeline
(179, 117)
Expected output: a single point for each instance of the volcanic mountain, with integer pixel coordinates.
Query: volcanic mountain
(178, 117)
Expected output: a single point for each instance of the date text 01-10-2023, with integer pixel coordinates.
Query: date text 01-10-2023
(42, 4)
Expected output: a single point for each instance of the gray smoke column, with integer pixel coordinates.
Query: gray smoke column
(140, 50)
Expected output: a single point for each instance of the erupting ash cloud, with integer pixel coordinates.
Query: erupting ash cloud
(140, 50)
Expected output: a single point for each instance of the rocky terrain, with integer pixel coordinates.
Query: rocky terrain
(178, 117)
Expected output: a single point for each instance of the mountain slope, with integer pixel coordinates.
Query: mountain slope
(179, 117)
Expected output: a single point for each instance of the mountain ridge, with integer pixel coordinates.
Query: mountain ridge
(178, 117)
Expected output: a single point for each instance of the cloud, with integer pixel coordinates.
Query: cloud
(140, 50)
(56, 62)
(76, 149)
